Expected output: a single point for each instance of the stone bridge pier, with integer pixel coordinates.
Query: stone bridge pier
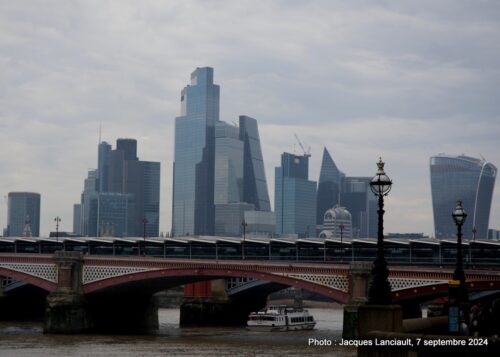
(69, 311)
(359, 276)
(218, 309)
(66, 308)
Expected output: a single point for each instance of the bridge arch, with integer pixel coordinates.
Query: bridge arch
(30, 279)
(183, 275)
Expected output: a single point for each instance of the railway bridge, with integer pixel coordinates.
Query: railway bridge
(91, 292)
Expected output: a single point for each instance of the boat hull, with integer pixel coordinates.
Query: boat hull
(298, 327)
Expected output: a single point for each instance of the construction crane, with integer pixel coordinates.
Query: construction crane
(307, 153)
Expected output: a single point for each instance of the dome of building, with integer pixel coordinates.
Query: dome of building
(338, 213)
(337, 223)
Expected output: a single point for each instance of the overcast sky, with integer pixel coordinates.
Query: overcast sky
(404, 80)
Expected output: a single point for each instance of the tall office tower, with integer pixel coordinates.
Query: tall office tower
(193, 187)
(23, 209)
(141, 179)
(469, 179)
(121, 193)
(295, 197)
(129, 148)
(359, 200)
(90, 187)
(228, 181)
(103, 165)
(228, 175)
(255, 184)
(330, 178)
(77, 218)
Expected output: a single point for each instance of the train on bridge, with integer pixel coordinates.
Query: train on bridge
(424, 251)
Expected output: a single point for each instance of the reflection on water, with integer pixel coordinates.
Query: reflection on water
(27, 339)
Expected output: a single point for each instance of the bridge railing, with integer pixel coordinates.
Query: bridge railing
(317, 251)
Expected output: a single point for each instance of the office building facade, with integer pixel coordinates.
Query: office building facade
(77, 218)
(260, 223)
(230, 218)
(329, 185)
(228, 175)
(357, 197)
(110, 214)
(125, 184)
(194, 156)
(23, 212)
(469, 179)
(295, 197)
(255, 183)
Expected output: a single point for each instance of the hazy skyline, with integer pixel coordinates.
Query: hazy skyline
(401, 80)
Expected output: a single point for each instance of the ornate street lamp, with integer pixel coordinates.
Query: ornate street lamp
(379, 290)
(458, 310)
(459, 217)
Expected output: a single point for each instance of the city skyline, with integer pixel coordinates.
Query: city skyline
(337, 76)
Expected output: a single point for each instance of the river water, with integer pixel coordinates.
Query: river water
(27, 339)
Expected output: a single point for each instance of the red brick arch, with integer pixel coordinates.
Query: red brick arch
(215, 273)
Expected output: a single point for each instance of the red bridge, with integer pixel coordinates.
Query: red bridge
(84, 278)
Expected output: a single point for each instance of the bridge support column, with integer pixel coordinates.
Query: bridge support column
(359, 274)
(66, 309)
(130, 313)
(218, 309)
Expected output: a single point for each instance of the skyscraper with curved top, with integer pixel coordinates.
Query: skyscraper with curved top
(469, 179)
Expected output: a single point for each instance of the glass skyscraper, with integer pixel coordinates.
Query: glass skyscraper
(295, 197)
(255, 184)
(77, 218)
(359, 200)
(23, 210)
(109, 214)
(123, 189)
(469, 179)
(228, 176)
(193, 187)
(330, 178)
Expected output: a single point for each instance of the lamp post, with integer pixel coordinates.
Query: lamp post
(379, 290)
(458, 311)
(459, 216)
(244, 225)
(57, 220)
(341, 227)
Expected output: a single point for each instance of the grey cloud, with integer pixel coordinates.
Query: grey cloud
(401, 79)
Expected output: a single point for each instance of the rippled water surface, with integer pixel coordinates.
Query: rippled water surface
(27, 339)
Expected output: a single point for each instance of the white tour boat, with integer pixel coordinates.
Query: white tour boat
(280, 318)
